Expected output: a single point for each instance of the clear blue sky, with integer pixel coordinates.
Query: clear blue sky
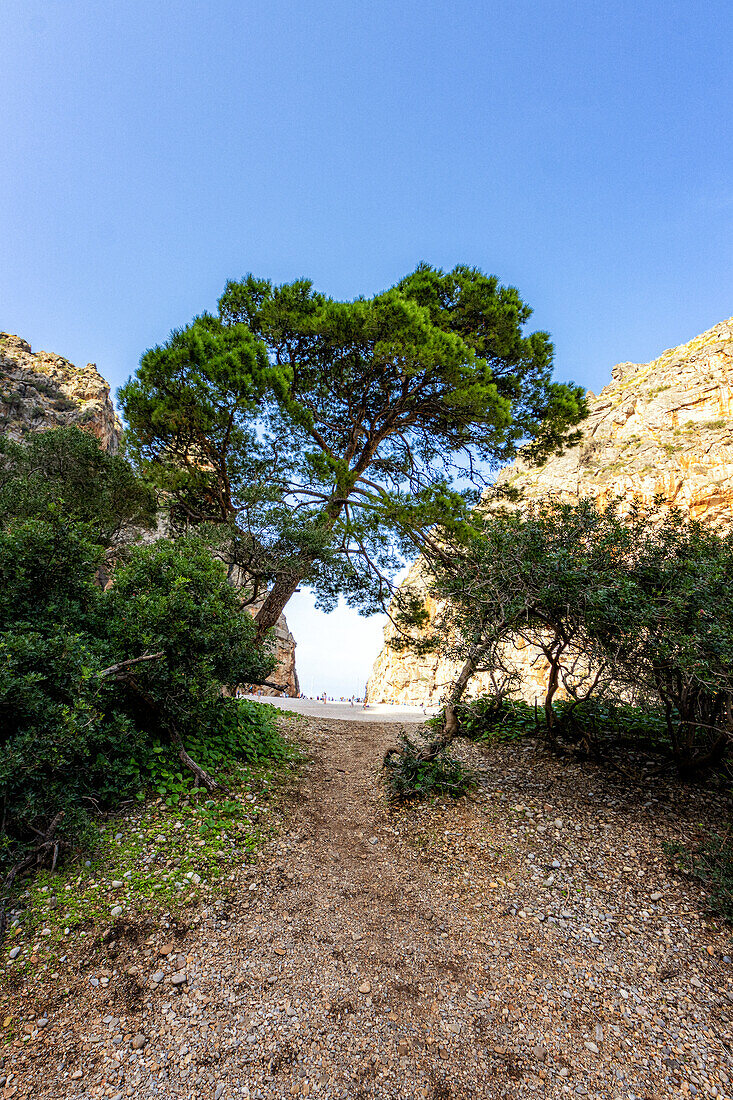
(152, 150)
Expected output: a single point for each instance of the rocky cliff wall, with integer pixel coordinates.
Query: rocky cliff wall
(40, 390)
(285, 672)
(661, 428)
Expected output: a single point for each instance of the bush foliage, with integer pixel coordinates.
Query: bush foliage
(408, 776)
(101, 690)
(631, 605)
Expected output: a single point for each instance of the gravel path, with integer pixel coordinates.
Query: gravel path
(530, 941)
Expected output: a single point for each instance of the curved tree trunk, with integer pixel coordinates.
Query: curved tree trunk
(451, 725)
(275, 602)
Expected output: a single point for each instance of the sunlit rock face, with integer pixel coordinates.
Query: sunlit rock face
(284, 673)
(661, 428)
(40, 390)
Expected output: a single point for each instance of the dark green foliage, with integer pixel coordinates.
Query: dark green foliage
(633, 606)
(407, 776)
(492, 719)
(81, 730)
(596, 725)
(67, 468)
(233, 733)
(329, 437)
(173, 598)
(711, 862)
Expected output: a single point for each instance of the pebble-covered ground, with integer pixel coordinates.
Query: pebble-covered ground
(531, 940)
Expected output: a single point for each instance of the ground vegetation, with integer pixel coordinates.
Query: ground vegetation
(108, 691)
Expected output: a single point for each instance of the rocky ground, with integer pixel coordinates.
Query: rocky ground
(529, 941)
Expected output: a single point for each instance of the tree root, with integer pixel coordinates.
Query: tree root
(37, 855)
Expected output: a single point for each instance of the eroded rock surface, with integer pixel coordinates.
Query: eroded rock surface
(285, 672)
(663, 428)
(40, 390)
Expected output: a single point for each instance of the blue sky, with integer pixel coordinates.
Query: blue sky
(152, 150)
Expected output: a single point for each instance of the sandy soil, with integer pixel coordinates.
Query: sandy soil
(344, 712)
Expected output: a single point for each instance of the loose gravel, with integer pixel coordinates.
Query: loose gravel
(531, 940)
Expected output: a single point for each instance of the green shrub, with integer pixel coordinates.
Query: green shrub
(595, 722)
(75, 739)
(711, 862)
(489, 719)
(408, 777)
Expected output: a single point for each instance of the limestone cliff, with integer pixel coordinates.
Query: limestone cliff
(660, 428)
(285, 672)
(41, 390)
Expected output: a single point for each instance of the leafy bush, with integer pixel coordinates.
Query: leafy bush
(408, 777)
(173, 599)
(594, 722)
(106, 694)
(237, 732)
(622, 603)
(67, 468)
(711, 862)
(491, 719)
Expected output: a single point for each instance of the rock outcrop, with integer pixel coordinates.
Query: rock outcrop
(285, 672)
(663, 428)
(41, 390)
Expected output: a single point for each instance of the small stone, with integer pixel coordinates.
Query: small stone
(14, 952)
(657, 895)
(539, 1053)
(219, 1092)
(165, 949)
(76, 1075)
(179, 978)
(117, 884)
(279, 949)
(365, 987)
(138, 1042)
(43, 1022)
(116, 911)
(158, 976)
(591, 1047)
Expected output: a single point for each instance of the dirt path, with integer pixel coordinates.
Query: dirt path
(530, 941)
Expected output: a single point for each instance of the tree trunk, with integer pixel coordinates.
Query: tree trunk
(451, 725)
(202, 776)
(275, 601)
(286, 584)
(552, 684)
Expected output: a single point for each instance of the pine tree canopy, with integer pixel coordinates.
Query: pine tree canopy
(330, 436)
